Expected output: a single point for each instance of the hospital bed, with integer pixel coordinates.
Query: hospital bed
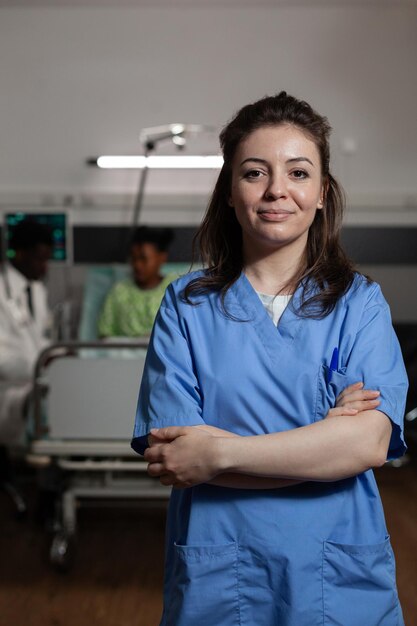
(85, 396)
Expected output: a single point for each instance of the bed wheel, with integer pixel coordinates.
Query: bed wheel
(62, 551)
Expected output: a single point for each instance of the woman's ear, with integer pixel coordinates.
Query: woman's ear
(230, 202)
(323, 194)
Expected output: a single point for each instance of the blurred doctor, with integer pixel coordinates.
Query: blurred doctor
(24, 324)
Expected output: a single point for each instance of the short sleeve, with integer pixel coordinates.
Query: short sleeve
(169, 392)
(107, 320)
(376, 359)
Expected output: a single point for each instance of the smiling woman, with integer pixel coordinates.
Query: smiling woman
(273, 384)
(277, 187)
(296, 157)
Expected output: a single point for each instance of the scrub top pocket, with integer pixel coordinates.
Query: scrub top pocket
(359, 585)
(205, 579)
(330, 384)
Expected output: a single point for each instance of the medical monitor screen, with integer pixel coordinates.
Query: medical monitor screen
(57, 224)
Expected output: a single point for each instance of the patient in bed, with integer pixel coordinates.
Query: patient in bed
(131, 305)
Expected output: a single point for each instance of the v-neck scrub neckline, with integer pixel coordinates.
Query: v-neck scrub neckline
(243, 302)
(274, 305)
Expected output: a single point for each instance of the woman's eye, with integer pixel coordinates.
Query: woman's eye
(253, 174)
(300, 174)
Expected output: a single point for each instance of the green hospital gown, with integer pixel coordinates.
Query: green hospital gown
(129, 311)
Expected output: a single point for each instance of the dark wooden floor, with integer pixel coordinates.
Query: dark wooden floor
(117, 575)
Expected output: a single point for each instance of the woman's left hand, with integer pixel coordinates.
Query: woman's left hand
(356, 397)
(182, 456)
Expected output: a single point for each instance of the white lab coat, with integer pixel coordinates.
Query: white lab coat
(22, 337)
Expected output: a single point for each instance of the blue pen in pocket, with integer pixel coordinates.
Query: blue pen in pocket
(334, 364)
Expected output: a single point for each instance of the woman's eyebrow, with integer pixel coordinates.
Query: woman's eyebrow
(255, 159)
(292, 160)
(299, 159)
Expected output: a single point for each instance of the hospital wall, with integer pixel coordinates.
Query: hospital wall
(78, 82)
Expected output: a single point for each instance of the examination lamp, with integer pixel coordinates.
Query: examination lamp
(150, 137)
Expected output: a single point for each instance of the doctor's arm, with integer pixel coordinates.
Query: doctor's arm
(281, 457)
(351, 401)
(329, 450)
(14, 363)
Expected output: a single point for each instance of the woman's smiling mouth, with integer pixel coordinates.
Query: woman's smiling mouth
(274, 215)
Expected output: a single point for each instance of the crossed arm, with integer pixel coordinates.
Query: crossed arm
(353, 437)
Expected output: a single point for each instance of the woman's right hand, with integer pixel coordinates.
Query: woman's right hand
(355, 399)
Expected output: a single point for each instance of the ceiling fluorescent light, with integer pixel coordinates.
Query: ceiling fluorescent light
(160, 162)
(186, 162)
(122, 162)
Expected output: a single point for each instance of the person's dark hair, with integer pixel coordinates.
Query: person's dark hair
(161, 238)
(219, 237)
(29, 234)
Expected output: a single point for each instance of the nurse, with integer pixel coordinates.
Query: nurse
(255, 400)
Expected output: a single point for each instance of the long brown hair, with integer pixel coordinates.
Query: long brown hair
(326, 273)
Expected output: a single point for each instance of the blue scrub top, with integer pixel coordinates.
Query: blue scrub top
(316, 553)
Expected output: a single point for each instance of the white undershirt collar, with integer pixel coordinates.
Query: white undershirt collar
(274, 305)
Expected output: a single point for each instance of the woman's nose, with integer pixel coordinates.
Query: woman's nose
(277, 187)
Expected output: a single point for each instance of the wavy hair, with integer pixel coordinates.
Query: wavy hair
(326, 273)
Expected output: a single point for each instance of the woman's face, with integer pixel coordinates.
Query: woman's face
(276, 189)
